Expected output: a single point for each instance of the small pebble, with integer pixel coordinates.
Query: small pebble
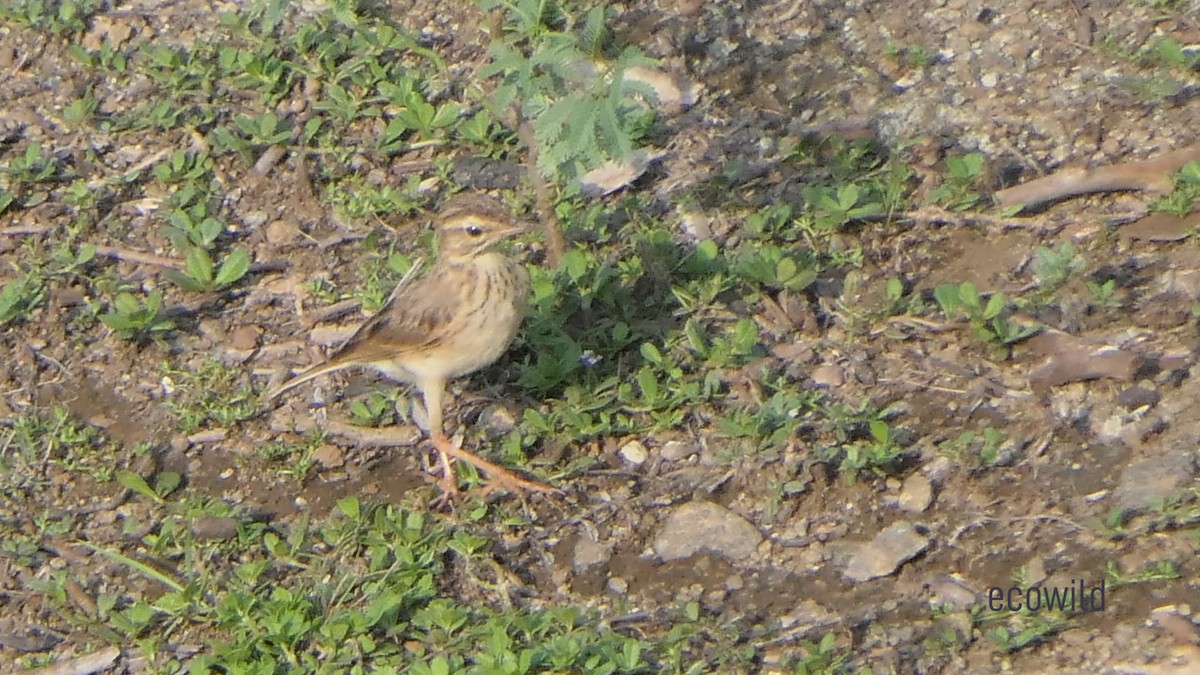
(673, 451)
(634, 453)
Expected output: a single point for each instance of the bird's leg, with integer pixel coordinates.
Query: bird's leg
(500, 476)
(432, 393)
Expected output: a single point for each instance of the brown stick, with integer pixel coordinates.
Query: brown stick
(125, 255)
(935, 215)
(556, 246)
(22, 230)
(1151, 175)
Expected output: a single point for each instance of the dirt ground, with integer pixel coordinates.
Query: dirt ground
(890, 564)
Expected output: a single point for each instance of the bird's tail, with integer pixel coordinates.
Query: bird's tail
(311, 373)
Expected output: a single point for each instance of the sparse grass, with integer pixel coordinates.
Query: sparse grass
(31, 445)
(912, 55)
(1153, 572)
(1182, 200)
(210, 395)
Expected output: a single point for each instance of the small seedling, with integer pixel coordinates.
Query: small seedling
(958, 189)
(837, 207)
(164, 484)
(198, 276)
(131, 319)
(376, 410)
(550, 65)
(988, 322)
(1104, 294)
(19, 296)
(1053, 267)
(1181, 201)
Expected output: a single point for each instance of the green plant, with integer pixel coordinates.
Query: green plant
(583, 110)
(183, 167)
(958, 190)
(134, 320)
(81, 111)
(376, 410)
(834, 208)
(198, 273)
(874, 454)
(293, 459)
(165, 483)
(208, 394)
(770, 266)
(32, 166)
(107, 57)
(818, 658)
(20, 296)
(1053, 267)
(32, 443)
(1025, 629)
(63, 16)
(1168, 52)
(415, 116)
(988, 322)
(913, 55)
(1163, 570)
(1182, 199)
(1104, 294)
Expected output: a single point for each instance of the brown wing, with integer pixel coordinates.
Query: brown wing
(415, 316)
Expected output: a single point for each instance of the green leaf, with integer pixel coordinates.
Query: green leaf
(575, 263)
(880, 431)
(185, 282)
(745, 336)
(648, 383)
(894, 289)
(233, 268)
(651, 353)
(969, 295)
(446, 115)
(785, 269)
(695, 337)
(166, 482)
(995, 305)
(948, 298)
(125, 303)
(350, 507)
(199, 266)
(132, 481)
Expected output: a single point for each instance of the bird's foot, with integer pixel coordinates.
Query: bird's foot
(500, 477)
(448, 483)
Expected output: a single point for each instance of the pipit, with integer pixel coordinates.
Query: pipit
(457, 318)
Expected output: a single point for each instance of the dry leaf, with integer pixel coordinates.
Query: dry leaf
(673, 94)
(612, 176)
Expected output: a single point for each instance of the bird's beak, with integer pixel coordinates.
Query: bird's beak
(516, 227)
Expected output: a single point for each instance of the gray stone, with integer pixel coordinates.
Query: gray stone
(1152, 479)
(885, 553)
(589, 553)
(916, 494)
(698, 527)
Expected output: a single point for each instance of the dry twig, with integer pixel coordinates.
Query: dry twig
(1151, 175)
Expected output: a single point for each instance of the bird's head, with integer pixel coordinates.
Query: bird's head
(471, 224)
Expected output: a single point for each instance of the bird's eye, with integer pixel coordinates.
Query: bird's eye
(474, 230)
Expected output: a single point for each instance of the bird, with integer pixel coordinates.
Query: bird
(457, 318)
